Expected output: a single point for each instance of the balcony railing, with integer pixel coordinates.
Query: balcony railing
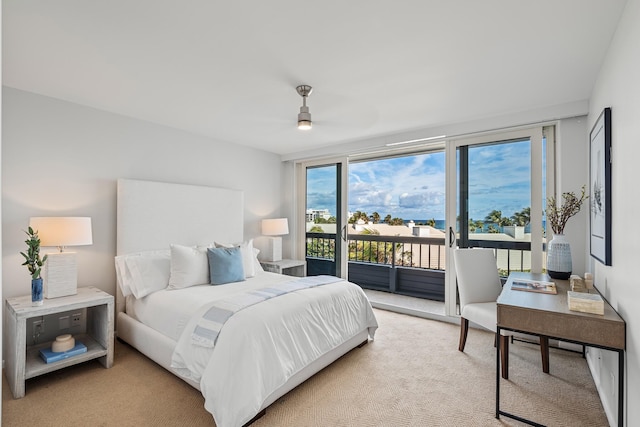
(405, 251)
(404, 264)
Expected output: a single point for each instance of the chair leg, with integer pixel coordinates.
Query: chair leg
(544, 349)
(464, 329)
(504, 355)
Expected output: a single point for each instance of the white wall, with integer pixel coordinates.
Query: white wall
(60, 158)
(618, 87)
(572, 172)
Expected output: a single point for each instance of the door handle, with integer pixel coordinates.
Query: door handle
(452, 237)
(344, 233)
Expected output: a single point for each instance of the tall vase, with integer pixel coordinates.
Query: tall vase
(559, 257)
(37, 294)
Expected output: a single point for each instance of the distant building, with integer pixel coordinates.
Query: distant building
(410, 229)
(313, 214)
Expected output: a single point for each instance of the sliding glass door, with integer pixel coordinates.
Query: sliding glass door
(495, 200)
(383, 224)
(325, 218)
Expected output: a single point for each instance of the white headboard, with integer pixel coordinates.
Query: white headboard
(152, 215)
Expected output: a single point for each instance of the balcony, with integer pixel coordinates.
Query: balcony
(405, 265)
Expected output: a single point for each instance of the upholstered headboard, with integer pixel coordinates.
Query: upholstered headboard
(152, 215)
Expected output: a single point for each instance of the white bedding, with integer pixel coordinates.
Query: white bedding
(286, 333)
(199, 215)
(168, 311)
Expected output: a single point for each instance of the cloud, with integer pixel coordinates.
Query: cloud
(413, 187)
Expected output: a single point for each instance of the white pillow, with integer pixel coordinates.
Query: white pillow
(142, 273)
(123, 276)
(189, 266)
(256, 262)
(248, 256)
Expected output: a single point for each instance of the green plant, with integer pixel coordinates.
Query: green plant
(32, 257)
(559, 215)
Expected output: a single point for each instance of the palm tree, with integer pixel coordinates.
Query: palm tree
(504, 221)
(396, 221)
(494, 216)
(522, 218)
(356, 216)
(375, 217)
(387, 219)
(431, 222)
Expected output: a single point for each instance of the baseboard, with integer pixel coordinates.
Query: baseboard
(593, 362)
(413, 312)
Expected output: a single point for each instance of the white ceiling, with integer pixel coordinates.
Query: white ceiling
(228, 69)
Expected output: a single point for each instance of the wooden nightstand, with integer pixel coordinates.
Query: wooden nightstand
(289, 267)
(24, 362)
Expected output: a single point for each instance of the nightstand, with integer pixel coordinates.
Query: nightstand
(24, 362)
(289, 267)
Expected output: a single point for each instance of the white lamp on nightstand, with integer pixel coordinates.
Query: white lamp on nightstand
(274, 227)
(60, 272)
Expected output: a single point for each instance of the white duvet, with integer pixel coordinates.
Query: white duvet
(264, 345)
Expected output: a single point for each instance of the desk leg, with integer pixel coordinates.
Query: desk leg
(498, 342)
(544, 349)
(621, 388)
(498, 372)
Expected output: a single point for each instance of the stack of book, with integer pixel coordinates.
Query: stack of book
(585, 303)
(577, 284)
(50, 356)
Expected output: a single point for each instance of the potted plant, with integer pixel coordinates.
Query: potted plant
(34, 263)
(558, 249)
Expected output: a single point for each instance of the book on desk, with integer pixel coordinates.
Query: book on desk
(534, 286)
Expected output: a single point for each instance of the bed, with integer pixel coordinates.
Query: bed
(279, 330)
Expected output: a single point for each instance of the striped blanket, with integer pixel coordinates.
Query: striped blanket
(206, 332)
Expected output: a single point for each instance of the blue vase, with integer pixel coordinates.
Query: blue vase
(37, 294)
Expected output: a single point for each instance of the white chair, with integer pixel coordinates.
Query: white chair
(479, 287)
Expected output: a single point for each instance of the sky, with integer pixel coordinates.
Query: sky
(413, 187)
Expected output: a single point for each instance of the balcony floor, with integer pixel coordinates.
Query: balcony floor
(409, 305)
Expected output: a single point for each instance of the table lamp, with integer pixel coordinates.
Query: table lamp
(274, 228)
(60, 273)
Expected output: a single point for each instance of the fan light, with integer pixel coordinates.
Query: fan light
(304, 117)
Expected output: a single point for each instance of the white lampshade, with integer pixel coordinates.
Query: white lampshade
(275, 227)
(63, 231)
(60, 273)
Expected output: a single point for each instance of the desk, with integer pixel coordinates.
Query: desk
(549, 315)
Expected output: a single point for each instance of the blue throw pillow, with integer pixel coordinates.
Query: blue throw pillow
(225, 265)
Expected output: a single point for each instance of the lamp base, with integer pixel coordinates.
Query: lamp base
(60, 275)
(270, 248)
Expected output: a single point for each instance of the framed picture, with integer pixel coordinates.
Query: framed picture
(600, 188)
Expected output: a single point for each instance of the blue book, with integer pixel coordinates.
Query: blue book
(50, 356)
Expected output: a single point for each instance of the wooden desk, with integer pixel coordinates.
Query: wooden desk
(549, 315)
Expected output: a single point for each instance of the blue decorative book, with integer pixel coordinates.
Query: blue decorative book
(50, 356)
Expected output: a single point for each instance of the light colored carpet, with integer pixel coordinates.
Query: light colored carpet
(411, 375)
